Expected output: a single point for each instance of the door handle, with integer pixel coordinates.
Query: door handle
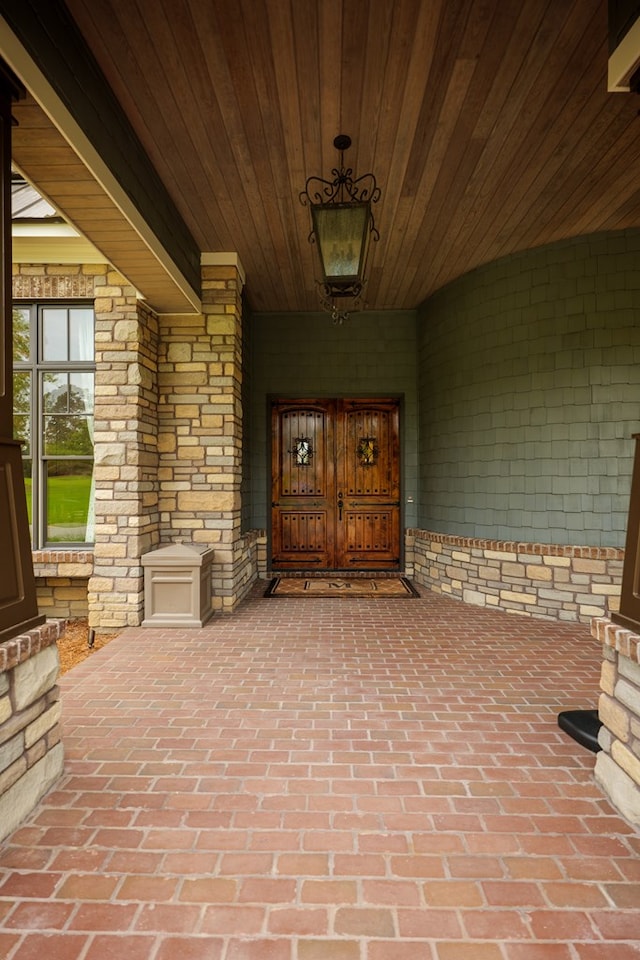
(340, 506)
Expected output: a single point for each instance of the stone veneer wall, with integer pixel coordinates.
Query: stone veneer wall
(126, 454)
(618, 763)
(62, 578)
(542, 580)
(168, 432)
(201, 431)
(31, 754)
(62, 575)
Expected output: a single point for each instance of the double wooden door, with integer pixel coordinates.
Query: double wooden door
(335, 485)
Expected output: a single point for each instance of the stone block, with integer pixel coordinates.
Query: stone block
(126, 330)
(35, 676)
(626, 759)
(608, 675)
(11, 774)
(628, 694)
(630, 670)
(5, 709)
(10, 751)
(556, 561)
(179, 353)
(510, 596)
(581, 565)
(473, 596)
(113, 454)
(605, 738)
(191, 501)
(606, 589)
(614, 716)
(42, 725)
(20, 799)
(588, 611)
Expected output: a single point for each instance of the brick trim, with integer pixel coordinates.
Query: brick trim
(616, 638)
(27, 645)
(515, 546)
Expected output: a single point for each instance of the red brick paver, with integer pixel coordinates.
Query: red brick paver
(327, 780)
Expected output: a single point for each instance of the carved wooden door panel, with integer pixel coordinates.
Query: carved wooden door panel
(368, 522)
(303, 484)
(335, 485)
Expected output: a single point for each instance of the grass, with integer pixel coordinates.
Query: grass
(67, 503)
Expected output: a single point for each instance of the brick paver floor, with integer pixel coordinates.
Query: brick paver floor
(327, 780)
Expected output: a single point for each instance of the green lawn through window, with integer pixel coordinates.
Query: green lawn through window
(67, 506)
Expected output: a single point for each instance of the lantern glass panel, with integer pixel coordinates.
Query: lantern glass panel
(341, 232)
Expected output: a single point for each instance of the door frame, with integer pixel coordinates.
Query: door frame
(273, 398)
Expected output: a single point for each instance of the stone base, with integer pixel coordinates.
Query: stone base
(618, 763)
(619, 787)
(31, 754)
(20, 799)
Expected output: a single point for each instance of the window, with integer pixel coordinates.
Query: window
(53, 354)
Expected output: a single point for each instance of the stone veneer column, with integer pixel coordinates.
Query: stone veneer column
(126, 455)
(200, 428)
(617, 767)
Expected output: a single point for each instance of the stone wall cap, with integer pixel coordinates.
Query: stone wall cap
(177, 553)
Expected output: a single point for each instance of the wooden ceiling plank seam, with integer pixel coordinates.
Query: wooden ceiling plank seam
(415, 30)
(464, 150)
(278, 201)
(518, 108)
(208, 152)
(608, 187)
(496, 76)
(583, 171)
(328, 123)
(438, 170)
(452, 20)
(512, 180)
(445, 80)
(238, 103)
(375, 74)
(543, 180)
(560, 186)
(286, 79)
(174, 142)
(547, 133)
(215, 150)
(353, 55)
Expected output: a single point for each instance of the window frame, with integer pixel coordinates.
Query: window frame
(37, 368)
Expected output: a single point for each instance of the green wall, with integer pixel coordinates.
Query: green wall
(529, 393)
(307, 355)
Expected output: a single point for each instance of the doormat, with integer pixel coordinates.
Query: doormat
(369, 588)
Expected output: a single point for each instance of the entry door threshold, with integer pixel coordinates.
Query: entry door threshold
(343, 574)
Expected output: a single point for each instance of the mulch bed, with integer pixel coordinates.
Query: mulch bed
(74, 647)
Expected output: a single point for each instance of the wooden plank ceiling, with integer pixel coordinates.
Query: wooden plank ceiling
(487, 124)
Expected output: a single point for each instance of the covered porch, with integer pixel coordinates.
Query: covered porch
(327, 778)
